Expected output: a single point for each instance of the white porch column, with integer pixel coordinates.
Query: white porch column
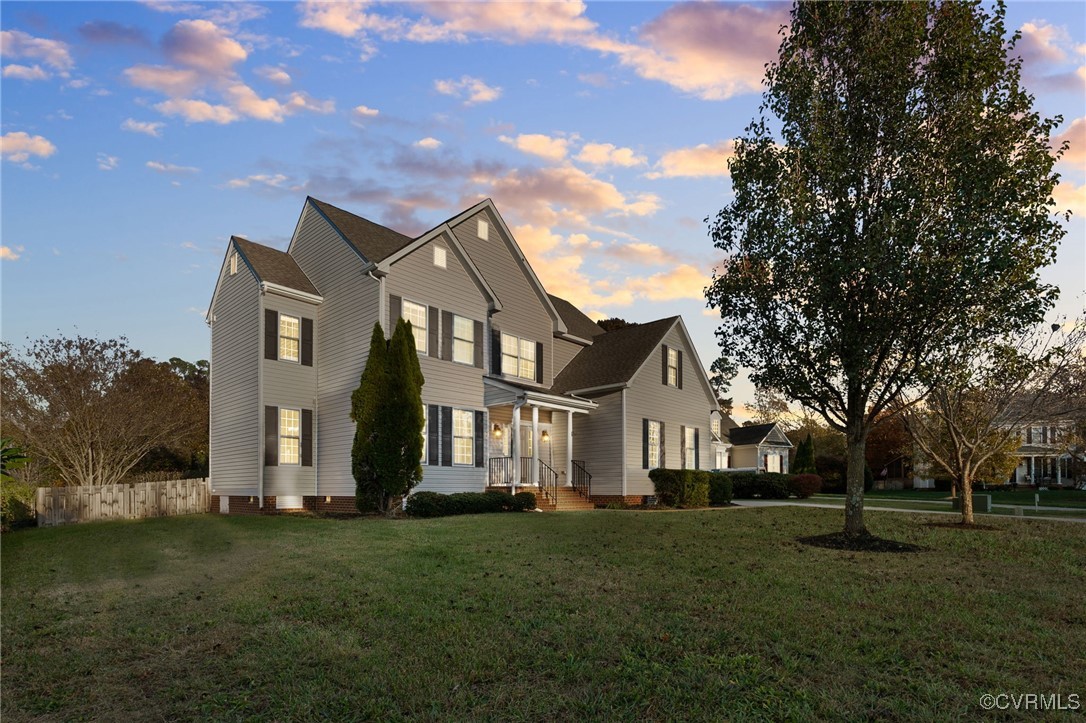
(535, 444)
(514, 448)
(569, 448)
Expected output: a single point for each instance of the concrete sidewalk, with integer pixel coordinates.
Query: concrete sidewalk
(796, 503)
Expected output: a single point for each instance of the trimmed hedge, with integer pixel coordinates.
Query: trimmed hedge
(720, 488)
(767, 485)
(680, 487)
(433, 504)
(805, 485)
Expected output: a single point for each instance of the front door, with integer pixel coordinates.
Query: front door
(525, 462)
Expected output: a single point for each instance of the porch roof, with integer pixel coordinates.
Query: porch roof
(540, 397)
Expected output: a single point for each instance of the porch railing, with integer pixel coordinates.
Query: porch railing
(501, 471)
(582, 480)
(526, 476)
(548, 481)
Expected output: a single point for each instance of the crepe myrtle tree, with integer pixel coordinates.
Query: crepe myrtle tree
(892, 203)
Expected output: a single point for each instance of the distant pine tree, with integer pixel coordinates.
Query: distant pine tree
(805, 457)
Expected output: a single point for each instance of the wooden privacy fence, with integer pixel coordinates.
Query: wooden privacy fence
(63, 505)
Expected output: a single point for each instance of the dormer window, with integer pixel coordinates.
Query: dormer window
(484, 229)
(714, 424)
(439, 257)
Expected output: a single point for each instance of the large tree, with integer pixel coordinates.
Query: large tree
(91, 409)
(903, 210)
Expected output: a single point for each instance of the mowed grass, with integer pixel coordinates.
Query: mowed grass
(600, 615)
(934, 505)
(1049, 498)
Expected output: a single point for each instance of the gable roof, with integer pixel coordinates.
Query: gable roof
(614, 357)
(577, 323)
(274, 266)
(372, 241)
(756, 434)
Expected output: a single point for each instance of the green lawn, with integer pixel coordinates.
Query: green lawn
(935, 505)
(1050, 498)
(608, 614)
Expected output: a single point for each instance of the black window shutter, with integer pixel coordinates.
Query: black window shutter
(395, 311)
(495, 351)
(432, 442)
(431, 333)
(697, 449)
(446, 436)
(679, 371)
(539, 362)
(664, 349)
(271, 436)
(663, 447)
(307, 342)
(307, 437)
(1029, 435)
(683, 461)
(644, 444)
(478, 337)
(446, 335)
(480, 431)
(271, 334)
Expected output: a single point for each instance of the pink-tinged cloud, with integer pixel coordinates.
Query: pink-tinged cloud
(202, 45)
(641, 252)
(1042, 42)
(544, 196)
(538, 144)
(54, 53)
(362, 111)
(348, 19)
(696, 162)
(9, 253)
(682, 282)
(147, 128)
(18, 147)
(25, 72)
(1075, 136)
(274, 75)
(1069, 197)
(107, 162)
(427, 143)
(174, 82)
(274, 181)
(473, 90)
(607, 154)
(508, 22)
(170, 168)
(197, 111)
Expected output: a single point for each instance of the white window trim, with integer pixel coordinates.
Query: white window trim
(283, 436)
(233, 263)
(483, 230)
(519, 358)
(440, 257)
(471, 325)
(298, 358)
(690, 453)
(672, 371)
(425, 436)
(470, 438)
(423, 350)
(653, 464)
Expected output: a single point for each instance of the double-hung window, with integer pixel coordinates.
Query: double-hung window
(290, 435)
(691, 456)
(673, 367)
(518, 357)
(463, 340)
(654, 444)
(424, 439)
(289, 337)
(714, 424)
(463, 437)
(416, 314)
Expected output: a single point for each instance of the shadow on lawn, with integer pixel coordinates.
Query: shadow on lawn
(859, 543)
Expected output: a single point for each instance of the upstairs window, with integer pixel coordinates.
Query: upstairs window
(290, 435)
(289, 337)
(463, 340)
(416, 314)
(518, 357)
(484, 229)
(673, 367)
(439, 256)
(714, 424)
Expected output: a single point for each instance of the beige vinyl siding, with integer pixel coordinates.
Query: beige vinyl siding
(341, 346)
(563, 353)
(290, 384)
(235, 442)
(745, 456)
(649, 398)
(522, 314)
(597, 439)
(447, 383)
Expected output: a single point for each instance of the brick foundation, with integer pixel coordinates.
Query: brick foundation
(241, 505)
(337, 505)
(628, 499)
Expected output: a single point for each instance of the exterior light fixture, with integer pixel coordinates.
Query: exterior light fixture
(497, 431)
(546, 437)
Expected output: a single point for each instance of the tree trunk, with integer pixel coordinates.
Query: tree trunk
(854, 491)
(966, 495)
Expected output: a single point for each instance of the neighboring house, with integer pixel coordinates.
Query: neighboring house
(1044, 457)
(763, 447)
(521, 388)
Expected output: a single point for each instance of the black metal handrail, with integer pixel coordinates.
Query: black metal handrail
(548, 481)
(582, 480)
(501, 471)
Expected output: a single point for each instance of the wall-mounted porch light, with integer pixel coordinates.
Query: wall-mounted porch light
(497, 431)
(545, 437)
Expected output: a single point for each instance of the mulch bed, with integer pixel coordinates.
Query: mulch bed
(858, 543)
(960, 526)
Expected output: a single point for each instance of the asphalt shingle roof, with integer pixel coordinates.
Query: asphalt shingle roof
(753, 434)
(274, 266)
(372, 240)
(614, 356)
(577, 323)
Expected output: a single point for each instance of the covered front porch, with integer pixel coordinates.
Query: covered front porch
(530, 440)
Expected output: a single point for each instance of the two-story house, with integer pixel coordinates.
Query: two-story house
(521, 388)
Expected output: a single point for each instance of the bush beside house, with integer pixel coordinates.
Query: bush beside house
(434, 504)
(680, 487)
(720, 488)
(805, 485)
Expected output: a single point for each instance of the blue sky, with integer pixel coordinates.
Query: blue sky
(137, 137)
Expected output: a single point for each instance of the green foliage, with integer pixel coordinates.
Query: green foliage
(805, 460)
(720, 488)
(12, 457)
(16, 504)
(805, 485)
(902, 213)
(433, 504)
(767, 485)
(365, 401)
(680, 487)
